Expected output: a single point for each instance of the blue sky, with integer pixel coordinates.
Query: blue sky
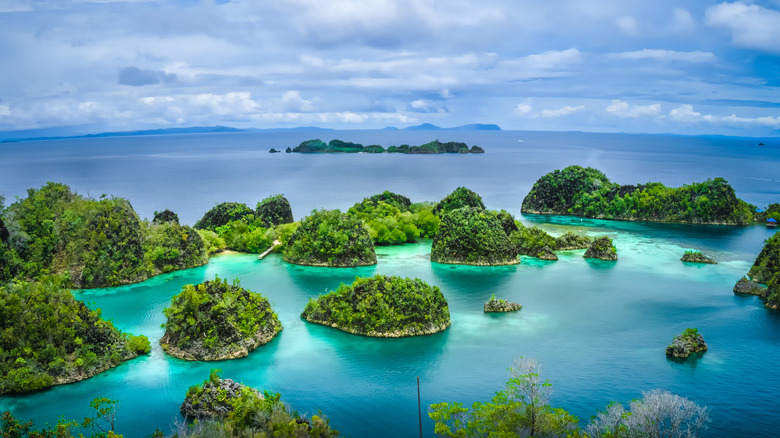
(688, 67)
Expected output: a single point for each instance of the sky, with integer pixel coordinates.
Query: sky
(683, 67)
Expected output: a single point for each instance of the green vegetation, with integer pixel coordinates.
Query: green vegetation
(693, 256)
(771, 212)
(687, 343)
(233, 409)
(330, 238)
(274, 210)
(214, 320)
(765, 271)
(165, 216)
(392, 219)
(382, 306)
(569, 240)
(48, 338)
(472, 236)
(459, 198)
(601, 248)
(534, 242)
(222, 214)
(495, 305)
(90, 243)
(102, 424)
(589, 193)
(318, 146)
(521, 409)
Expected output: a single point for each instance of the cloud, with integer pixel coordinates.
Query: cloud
(751, 25)
(682, 21)
(623, 109)
(293, 102)
(5, 110)
(686, 114)
(628, 24)
(136, 77)
(560, 112)
(668, 55)
(523, 109)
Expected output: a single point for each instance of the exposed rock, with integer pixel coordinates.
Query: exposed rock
(749, 287)
(602, 248)
(546, 254)
(214, 399)
(696, 257)
(687, 343)
(494, 305)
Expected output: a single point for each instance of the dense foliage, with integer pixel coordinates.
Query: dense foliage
(101, 424)
(697, 257)
(222, 214)
(459, 198)
(392, 219)
(382, 306)
(169, 246)
(91, 243)
(244, 411)
(165, 216)
(215, 320)
(472, 236)
(47, 338)
(534, 242)
(601, 248)
(318, 146)
(330, 238)
(274, 210)
(588, 192)
(766, 270)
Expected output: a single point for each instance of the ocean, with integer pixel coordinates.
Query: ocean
(598, 329)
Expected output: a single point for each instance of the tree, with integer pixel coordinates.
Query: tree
(658, 414)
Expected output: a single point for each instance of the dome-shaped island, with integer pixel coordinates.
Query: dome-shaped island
(382, 306)
(215, 320)
(330, 238)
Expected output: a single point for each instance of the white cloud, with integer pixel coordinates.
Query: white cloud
(623, 109)
(668, 55)
(686, 114)
(682, 21)
(5, 110)
(560, 112)
(628, 24)
(293, 102)
(523, 109)
(751, 25)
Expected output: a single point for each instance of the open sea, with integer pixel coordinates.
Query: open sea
(598, 329)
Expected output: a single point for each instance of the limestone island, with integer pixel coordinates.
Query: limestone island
(603, 249)
(763, 279)
(330, 238)
(52, 339)
(382, 306)
(687, 343)
(587, 192)
(91, 242)
(535, 242)
(392, 219)
(318, 146)
(471, 236)
(228, 408)
(215, 320)
(495, 305)
(697, 257)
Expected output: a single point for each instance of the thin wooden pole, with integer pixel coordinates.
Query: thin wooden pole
(419, 409)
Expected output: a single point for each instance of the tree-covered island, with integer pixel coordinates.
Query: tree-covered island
(330, 238)
(225, 407)
(382, 306)
(215, 320)
(318, 146)
(587, 192)
(472, 236)
(603, 249)
(763, 279)
(90, 242)
(392, 219)
(697, 257)
(497, 305)
(49, 338)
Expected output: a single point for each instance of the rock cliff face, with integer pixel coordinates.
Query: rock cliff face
(697, 257)
(764, 272)
(602, 248)
(748, 287)
(494, 305)
(214, 398)
(216, 321)
(687, 343)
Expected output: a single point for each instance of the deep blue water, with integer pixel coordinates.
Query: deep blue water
(598, 329)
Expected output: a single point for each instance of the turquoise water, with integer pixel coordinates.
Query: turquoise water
(599, 330)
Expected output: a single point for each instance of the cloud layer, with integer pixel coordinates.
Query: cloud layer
(604, 65)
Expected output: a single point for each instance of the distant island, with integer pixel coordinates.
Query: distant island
(382, 306)
(587, 192)
(318, 146)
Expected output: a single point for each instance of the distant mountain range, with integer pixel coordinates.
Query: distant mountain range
(42, 134)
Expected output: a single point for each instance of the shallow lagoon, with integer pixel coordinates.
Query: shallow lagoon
(598, 328)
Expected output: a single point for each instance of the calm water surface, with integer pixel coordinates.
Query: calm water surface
(598, 328)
